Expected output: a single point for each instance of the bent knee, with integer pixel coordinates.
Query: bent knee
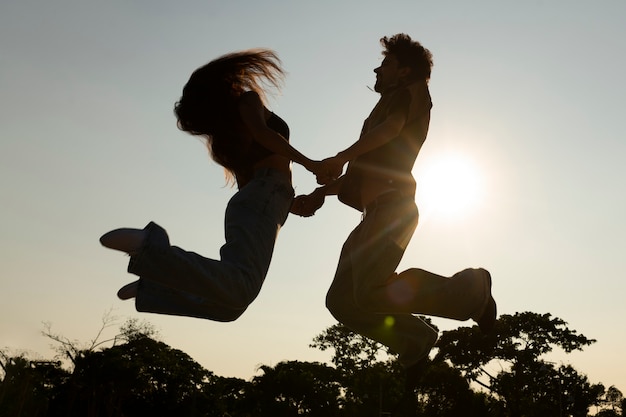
(333, 304)
(364, 299)
(242, 295)
(338, 306)
(341, 308)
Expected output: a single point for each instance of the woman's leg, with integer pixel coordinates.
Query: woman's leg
(177, 282)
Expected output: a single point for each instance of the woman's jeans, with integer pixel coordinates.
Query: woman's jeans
(177, 282)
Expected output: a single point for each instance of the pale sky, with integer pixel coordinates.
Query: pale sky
(528, 99)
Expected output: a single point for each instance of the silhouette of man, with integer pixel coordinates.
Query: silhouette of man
(367, 295)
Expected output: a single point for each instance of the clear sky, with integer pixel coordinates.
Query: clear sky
(522, 172)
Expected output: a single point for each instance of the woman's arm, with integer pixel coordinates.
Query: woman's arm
(252, 112)
(307, 205)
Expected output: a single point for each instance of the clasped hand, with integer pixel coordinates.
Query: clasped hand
(307, 205)
(328, 169)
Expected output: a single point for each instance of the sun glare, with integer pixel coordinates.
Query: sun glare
(449, 185)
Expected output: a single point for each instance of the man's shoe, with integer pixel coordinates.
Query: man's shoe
(487, 319)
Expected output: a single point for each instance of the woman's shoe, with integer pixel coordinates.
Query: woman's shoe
(128, 291)
(125, 240)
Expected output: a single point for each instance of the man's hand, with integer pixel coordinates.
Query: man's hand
(329, 169)
(307, 205)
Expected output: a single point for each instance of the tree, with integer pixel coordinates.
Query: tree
(132, 374)
(235, 397)
(135, 375)
(140, 377)
(373, 380)
(28, 386)
(526, 384)
(72, 349)
(612, 403)
(352, 351)
(295, 388)
(369, 374)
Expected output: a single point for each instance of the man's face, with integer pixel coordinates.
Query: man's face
(388, 74)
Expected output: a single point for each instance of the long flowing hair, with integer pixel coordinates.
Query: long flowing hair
(208, 106)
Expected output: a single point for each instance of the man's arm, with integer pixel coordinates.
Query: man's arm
(376, 137)
(307, 205)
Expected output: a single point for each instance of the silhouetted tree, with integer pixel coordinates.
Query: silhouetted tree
(28, 386)
(137, 378)
(444, 392)
(351, 351)
(133, 374)
(235, 397)
(612, 402)
(71, 349)
(373, 380)
(526, 385)
(295, 388)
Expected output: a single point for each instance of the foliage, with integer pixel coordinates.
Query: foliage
(373, 380)
(138, 377)
(133, 374)
(352, 351)
(526, 384)
(444, 392)
(71, 349)
(296, 388)
(233, 397)
(613, 402)
(28, 386)
(518, 339)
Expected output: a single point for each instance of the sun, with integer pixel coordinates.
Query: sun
(450, 185)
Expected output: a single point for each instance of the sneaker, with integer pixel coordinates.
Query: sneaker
(486, 319)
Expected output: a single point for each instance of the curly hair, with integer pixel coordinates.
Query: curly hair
(409, 53)
(208, 106)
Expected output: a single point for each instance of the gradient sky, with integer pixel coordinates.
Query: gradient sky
(529, 96)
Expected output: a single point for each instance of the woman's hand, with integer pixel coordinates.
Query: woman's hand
(328, 169)
(307, 205)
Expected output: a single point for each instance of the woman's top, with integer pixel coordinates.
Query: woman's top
(257, 152)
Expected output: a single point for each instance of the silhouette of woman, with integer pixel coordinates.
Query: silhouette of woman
(223, 102)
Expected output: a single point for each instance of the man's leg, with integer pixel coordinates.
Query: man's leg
(378, 249)
(405, 334)
(463, 296)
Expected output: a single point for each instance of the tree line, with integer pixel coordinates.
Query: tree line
(135, 374)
